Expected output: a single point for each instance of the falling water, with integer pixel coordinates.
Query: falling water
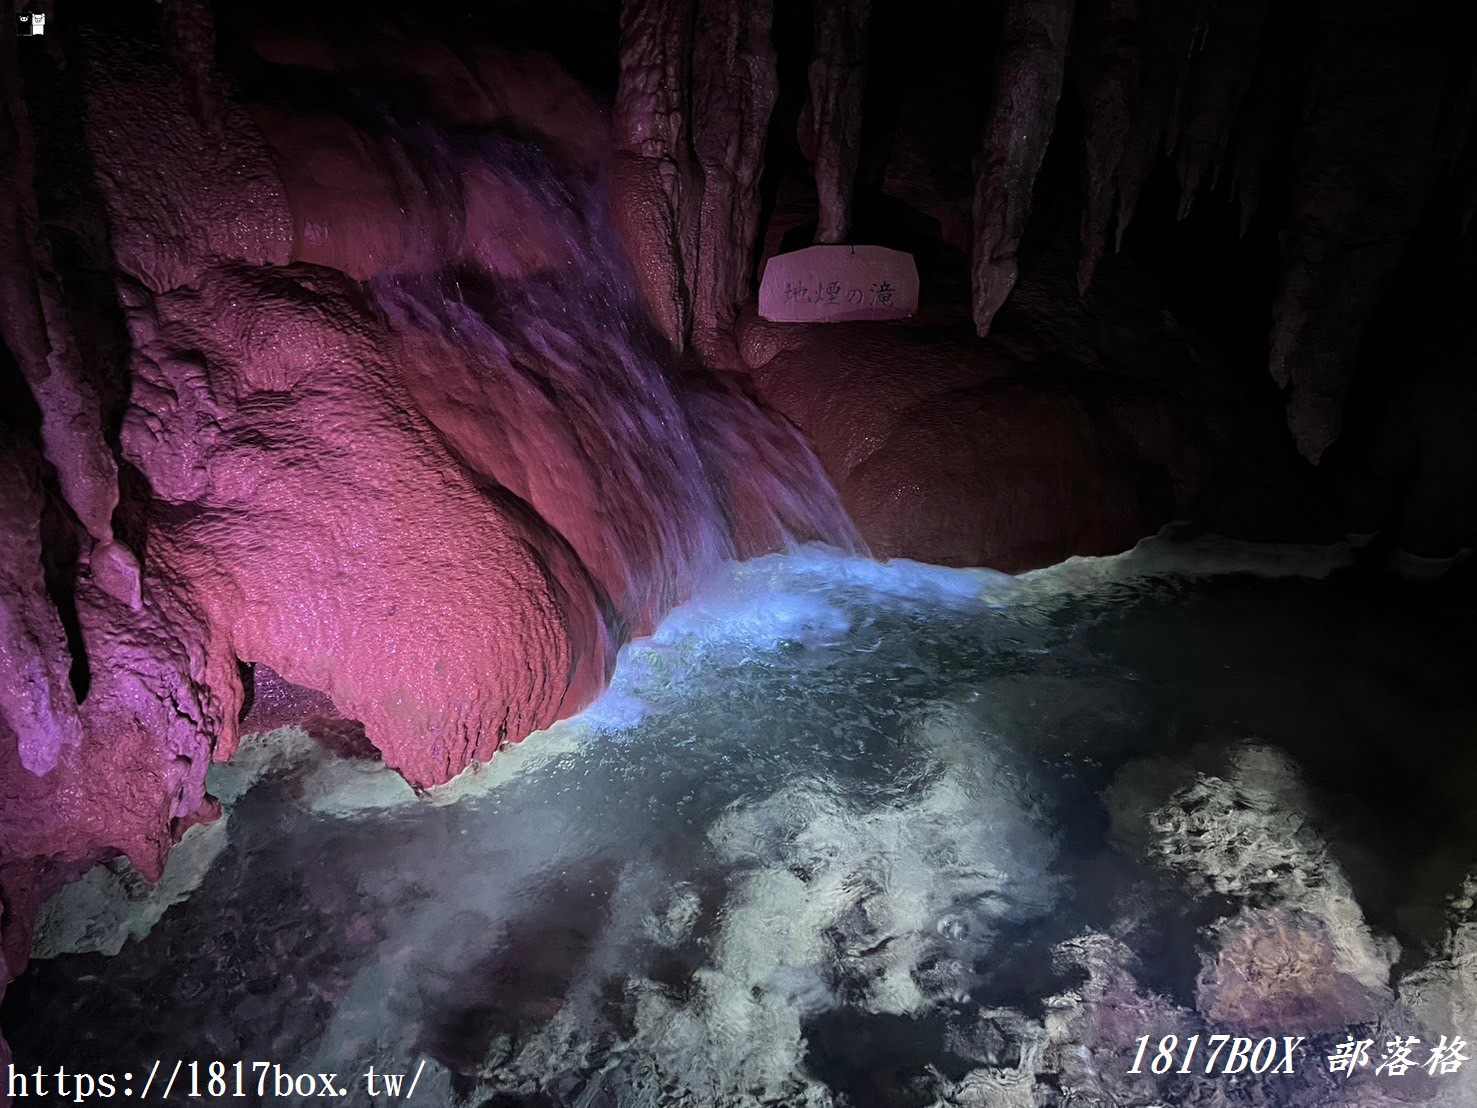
(840, 835)
(547, 380)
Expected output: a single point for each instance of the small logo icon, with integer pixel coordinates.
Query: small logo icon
(31, 23)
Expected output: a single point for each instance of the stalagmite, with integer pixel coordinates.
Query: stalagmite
(655, 186)
(734, 87)
(838, 77)
(1220, 75)
(1028, 84)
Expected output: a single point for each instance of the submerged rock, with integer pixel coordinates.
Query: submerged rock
(1297, 956)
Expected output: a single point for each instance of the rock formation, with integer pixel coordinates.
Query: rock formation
(1028, 82)
(654, 184)
(1371, 149)
(415, 367)
(692, 110)
(838, 78)
(36, 699)
(734, 85)
(394, 426)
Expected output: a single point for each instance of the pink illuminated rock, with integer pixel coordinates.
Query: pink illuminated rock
(962, 453)
(698, 82)
(735, 83)
(837, 284)
(654, 184)
(193, 198)
(163, 695)
(276, 703)
(440, 500)
(332, 535)
(371, 200)
(36, 327)
(833, 131)
(36, 701)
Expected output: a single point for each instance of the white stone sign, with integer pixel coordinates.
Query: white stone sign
(837, 284)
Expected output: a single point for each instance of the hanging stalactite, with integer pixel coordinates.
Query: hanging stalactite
(1369, 156)
(655, 185)
(1219, 78)
(1028, 84)
(734, 87)
(838, 80)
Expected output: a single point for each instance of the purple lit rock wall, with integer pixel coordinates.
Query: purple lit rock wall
(392, 421)
(417, 361)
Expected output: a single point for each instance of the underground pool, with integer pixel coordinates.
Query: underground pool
(851, 834)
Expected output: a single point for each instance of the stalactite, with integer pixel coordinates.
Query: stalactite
(651, 98)
(188, 28)
(734, 87)
(35, 697)
(1028, 84)
(1465, 174)
(1156, 94)
(1270, 111)
(1183, 25)
(1369, 157)
(1457, 141)
(1111, 78)
(656, 186)
(838, 77)
(1249, 163)
(35, 324)
(1220, 75)
(1173, 30)
(1459, 115)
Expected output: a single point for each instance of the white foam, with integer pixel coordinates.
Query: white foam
(891, 895)
(113, 902)
(1246, 833)
(1174, 553)
(876, 895)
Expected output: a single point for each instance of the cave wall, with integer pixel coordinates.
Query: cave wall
(1259, 174)
(413, 356)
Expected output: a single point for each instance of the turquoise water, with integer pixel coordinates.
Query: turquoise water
(839, 834)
